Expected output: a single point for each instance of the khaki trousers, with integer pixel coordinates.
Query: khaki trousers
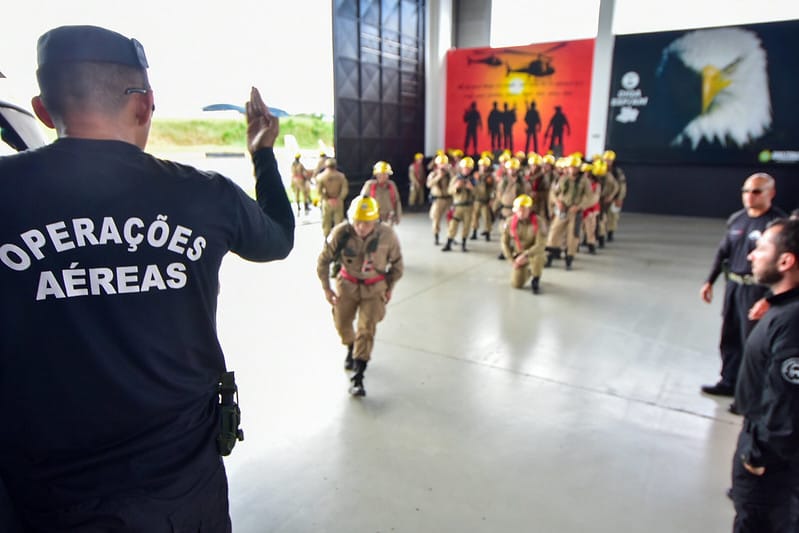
(563, 229)
(331, 216)
(481, 210)
(365, 302)
(533, 269)
(437, 210)
(461, 215)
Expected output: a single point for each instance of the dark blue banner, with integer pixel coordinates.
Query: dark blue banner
(709, 96)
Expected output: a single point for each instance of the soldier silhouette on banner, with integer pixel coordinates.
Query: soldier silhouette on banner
(554, 131)
(473, 122)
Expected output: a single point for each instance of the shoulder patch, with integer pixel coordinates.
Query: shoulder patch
(790, 370)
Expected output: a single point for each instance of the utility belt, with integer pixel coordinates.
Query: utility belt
(229, 414)
(745, 279)
(483, 202)
(368, 281)
(461, 204)
(447, 197)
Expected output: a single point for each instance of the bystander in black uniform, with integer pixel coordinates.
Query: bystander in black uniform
(744, 227)
(110, 363)
(765, 472)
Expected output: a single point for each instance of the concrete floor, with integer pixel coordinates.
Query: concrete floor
(489, 409)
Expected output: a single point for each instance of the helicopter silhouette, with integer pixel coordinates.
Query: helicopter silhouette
(493, 60)
(540, 66)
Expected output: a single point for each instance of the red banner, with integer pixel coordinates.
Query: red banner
(530, 98)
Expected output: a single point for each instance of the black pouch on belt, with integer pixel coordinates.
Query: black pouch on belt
(229, 414)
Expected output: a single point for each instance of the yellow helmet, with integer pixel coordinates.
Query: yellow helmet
(365, 209)
(595, 157)
(610, 155)
(381, 167)
(523, 200)
(487, 153)
(520, 155)
(599, 168)
(322, 154)
(513, 164)
(534, 159)
(548, 159)
(484, 162)
(297, 156)
(574, 160)
(457, 152)
(466, 162)
(418, 156)
(577, 154)
(503, 158)
(441, 159)
(586, 167)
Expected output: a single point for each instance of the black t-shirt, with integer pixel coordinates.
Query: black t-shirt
(109, 357)
(767, 391)
(740, 239)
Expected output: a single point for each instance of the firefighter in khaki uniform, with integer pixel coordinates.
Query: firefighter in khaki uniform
(524, 242)
(438, 183)
(484, 186)
(416, 178)
(333, 187)
(614, 211)
(371, 264)
(571, 198)
(610, 188)
(508, 189)
(385, 191)
(462, 190)
(300, 183)
(591, 212)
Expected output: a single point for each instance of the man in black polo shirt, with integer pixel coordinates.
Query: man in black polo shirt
(765, 473)
(109, 261)
(743, 229)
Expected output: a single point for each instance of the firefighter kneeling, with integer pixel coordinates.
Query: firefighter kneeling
(524, 242)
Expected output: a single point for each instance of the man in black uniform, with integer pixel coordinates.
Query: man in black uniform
(765, 472)
(109, 260)
(744, 227)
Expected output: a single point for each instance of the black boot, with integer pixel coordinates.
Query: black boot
(474, 234)
(348, 361)
(299, 210)
(436, 239)
(601, 241)
(569, 259)
(447, 247)
(463, 246)
(610, 236)
(501, 256)
(307, 207)
(534, 285)
(357, 389)
(592, 249)
(487, 235)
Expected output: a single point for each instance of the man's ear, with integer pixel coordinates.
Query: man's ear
(786, 261)
(41, 112)
(144, 107)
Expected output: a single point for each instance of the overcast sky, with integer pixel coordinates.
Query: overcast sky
(201, 55)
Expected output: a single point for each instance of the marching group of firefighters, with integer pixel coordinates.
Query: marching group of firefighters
(546, 208)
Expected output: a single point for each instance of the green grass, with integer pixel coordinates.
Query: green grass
(173, 134)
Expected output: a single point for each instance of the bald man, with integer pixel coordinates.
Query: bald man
(744, 227)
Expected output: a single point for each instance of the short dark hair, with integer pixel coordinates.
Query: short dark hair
(87, 85)
(787, 239)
